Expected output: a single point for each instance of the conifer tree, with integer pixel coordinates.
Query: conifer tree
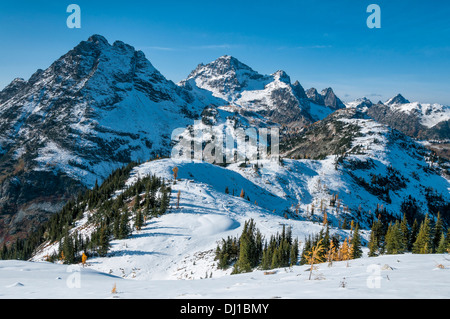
(447, 240)
(332, 253)
(405, 232)
(137, 201)
(139, 220)
(344, 251)
(68, 249)
(373, 245)
(442, 247)
(395, 243)
(248, 249)
(293, 255)
(413, 234)
(423, 243)
(314, 256)
(438, 229)
(356, 251)
(164, 201)
(306, 248)
(124, 229)
(103, 244)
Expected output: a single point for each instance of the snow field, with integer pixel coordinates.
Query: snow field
(386, 277)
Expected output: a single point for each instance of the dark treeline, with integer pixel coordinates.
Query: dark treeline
(112, 215)
(251, 250)
(400, 236)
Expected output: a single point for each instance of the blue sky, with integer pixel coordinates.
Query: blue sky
(320, 43)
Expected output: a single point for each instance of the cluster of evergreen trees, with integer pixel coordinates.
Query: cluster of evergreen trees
(112, 217)
(251, 250)
(323, 247)
(400, 236)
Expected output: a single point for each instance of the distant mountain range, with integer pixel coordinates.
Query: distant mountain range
(420, 120)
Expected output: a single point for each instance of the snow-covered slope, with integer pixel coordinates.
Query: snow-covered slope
(172, 256)
(181, 243)
(386, 277)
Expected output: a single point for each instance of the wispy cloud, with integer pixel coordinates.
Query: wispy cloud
(192, 47)
(307, 47)
(213, 46)
(157, 48)
(316, 46)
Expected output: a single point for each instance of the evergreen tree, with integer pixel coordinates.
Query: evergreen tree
(139, 220)
(447, 241)
(68, 249)
(405, 233)
(423, 243)
(293, 254)
(124, 230)
(103, 244)
(373, 245)
(164, 200)
(438, 229)
(356, 251)
(137, 202)
(395, 243)
(247, 250)
(442, 247)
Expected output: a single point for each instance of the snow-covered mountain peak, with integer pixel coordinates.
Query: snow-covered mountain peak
(427, 115)
(282, 76)
(98, 39)
(398, 99)
(226, 77)
(272, 96)
(225, 65)
(359, 103)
